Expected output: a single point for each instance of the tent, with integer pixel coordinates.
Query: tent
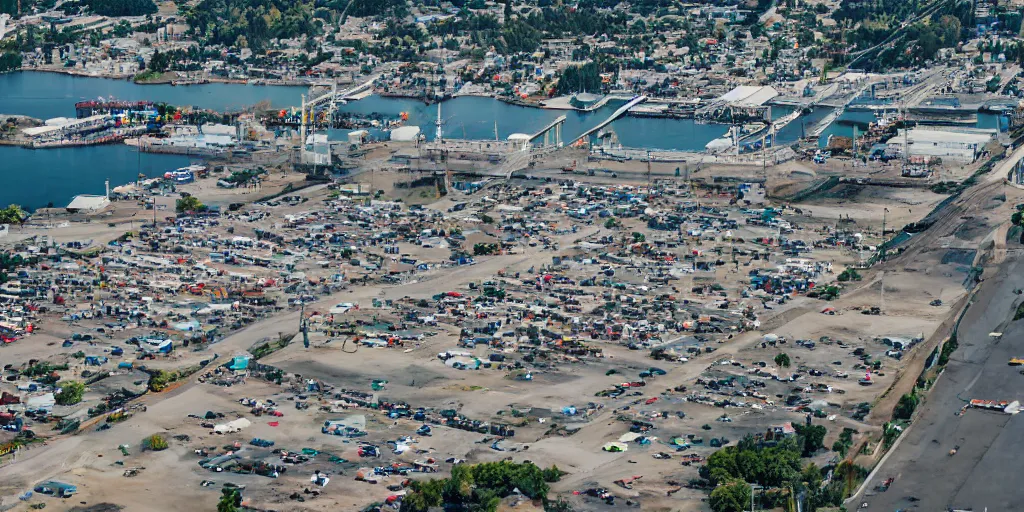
(239, 363)
(628, 437)
(232, 426)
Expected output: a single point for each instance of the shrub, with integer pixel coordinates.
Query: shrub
(155, 442)
(70, 392)
(849, 274)
(782, 360)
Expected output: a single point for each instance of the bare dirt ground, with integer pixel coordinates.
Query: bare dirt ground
(935, 267)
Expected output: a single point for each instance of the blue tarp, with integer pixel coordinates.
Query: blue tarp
(239, 363)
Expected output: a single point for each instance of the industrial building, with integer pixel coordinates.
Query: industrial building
(963, 145)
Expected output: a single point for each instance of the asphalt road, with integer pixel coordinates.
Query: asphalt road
(984, 473)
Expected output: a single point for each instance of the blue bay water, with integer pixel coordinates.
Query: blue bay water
(35, 177)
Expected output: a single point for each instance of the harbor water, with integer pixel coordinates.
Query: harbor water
(35, 178)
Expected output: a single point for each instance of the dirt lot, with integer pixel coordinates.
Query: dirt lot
(847, 345)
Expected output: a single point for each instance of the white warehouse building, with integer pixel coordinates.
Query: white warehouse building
(963, 145)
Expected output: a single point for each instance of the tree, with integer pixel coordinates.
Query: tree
(484, 249)
(480, 486)
(639, 237)
(905, 408)
(812, 476)
(810, 437)
(71, 392)
(189, 204)
(782, 360)
(849, 274)
(159, 62)
(9, 61)
(122, 7)
(230, 500)
(730, 497)
(585, 78)
(13, 214)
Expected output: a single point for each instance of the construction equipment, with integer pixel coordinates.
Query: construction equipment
(1016, 361)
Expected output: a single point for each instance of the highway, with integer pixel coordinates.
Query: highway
(984, 471)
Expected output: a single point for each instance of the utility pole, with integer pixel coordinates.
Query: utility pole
(648, 173)
(302, 126)
(881, 292)
(303, 326)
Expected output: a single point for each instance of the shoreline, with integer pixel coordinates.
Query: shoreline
(129, 77)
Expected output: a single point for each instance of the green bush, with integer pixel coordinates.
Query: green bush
(189, 204)
(70, 392)
(905, 408)
(849, 274)
(159, 379)
(155, 443)
(782, 360)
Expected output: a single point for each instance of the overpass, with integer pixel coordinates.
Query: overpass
(615, 115)
(555, 125)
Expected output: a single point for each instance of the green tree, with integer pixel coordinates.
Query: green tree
(585, 78)
(480, 486)
(733, 496)
(122, 7)
(905, 408)
(812, 476)
(189, 204)
(810, 437)
(13, 214)
(230, 500)
(639, 237)
(9, 61)
(71, 392)
(782, 360)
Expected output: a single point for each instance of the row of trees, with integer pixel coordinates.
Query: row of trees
(122, 7)
(480, 486)
(252, 23)
(585, 78)
(778, 469)
(9, 61)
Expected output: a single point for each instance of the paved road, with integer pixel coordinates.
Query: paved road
(985, 471)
